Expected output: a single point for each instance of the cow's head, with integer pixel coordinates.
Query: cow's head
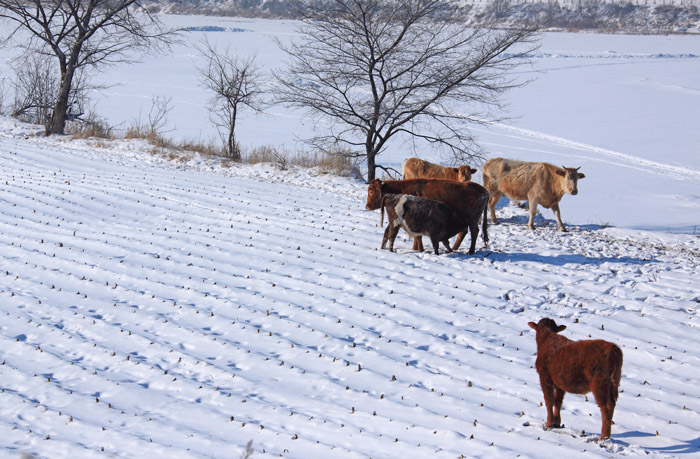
(464, 173)
(571, 177)
(547, 324)
(374, 195)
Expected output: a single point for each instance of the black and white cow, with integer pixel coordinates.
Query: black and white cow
(420, 217)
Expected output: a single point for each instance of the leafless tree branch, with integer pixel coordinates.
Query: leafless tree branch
(235, 83)
(377, 69)
(81, 34)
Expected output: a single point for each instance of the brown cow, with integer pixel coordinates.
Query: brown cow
(468, 200)
(420, 217)
(578, 367)
(539, 183)
(418, 168)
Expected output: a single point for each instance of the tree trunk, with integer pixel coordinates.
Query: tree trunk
(371, 165)
(57, 123)
(232, 150)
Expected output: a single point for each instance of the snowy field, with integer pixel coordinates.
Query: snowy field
(160, 310)
(153, 308)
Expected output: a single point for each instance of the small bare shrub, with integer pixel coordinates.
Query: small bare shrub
(336, 163)
(136, 131)
(93, 126)
(35, 89)
(151, 129)
(267, 154)
(209, 148)
(333, 163)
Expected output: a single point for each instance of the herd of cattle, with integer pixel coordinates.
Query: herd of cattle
(440, 202)
(417, 203)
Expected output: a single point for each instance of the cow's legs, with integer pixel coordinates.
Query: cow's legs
(494, 197)
(436, 245)
(387, 233)
(558, 400)
(418, 244)
(474, 230)
(557, 215)
(446, 243)
(548, 392)
(458, 240)
(605, 392)
(533, 211)
(391, 232)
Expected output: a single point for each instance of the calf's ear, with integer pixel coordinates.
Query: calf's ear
(561, 172)
(473, 171)
(561, 328)
(580, 175)
(532, 325)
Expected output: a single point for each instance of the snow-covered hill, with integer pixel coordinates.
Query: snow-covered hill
(160, 309)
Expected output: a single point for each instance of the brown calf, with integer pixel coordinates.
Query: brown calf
(418, 168)
(420, 217)
(578, 367)
(468, 200)
(539, 183)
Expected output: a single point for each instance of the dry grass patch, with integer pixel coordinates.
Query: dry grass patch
(332, 163)
(203, 148)
(323, 162)
(139, 131)
(90, 128)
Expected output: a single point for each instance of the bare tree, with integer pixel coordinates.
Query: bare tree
(376, 69)
(157, 119)
(81, 34)
(36, 86)
(235, 83)
(34, 89)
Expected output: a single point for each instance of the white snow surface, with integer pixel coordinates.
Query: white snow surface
(154, 307)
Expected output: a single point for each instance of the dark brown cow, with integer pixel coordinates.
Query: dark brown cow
(420, 217)
(419, 168)
(468, 200)
(578, 367)
(539, 183)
